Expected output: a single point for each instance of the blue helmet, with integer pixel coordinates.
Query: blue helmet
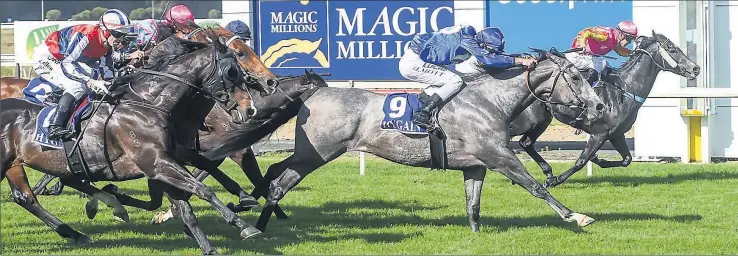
(492, 39)
(239, 28)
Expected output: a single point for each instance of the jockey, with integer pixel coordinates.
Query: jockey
(240, 29)
(600, 41)
(69, 58)
(146, 30)
(427, 55)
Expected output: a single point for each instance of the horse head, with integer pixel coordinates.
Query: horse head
(667, 55)
(289, 90)
(561, 85)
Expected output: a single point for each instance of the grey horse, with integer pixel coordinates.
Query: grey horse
(624, 93)
(336, 120)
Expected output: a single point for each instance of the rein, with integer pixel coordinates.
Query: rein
(556, 79)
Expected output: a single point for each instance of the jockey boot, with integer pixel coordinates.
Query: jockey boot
(58, 128)
(422, 117)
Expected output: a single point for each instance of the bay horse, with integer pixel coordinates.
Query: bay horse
(197, 78)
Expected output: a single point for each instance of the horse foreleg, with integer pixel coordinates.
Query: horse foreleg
(170, 172)
(23, 196)
(183, 208)
(593, 144)
(245, 201)
(473, 181)
(506, 163)
(250, 167)
(618, 141)
(527, 142)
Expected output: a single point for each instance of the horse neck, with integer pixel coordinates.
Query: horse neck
(640, 77)
(164, 93)
(513, 95)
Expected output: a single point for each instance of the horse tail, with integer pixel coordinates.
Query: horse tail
(253, 131)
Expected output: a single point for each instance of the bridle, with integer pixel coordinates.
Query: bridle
(215, 85)
(560, 73)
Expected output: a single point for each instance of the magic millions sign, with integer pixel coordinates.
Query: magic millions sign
(354, 40)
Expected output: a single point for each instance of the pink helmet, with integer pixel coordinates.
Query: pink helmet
(179, 14)
(628, 27)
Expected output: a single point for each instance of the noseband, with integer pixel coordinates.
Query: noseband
(560, 73)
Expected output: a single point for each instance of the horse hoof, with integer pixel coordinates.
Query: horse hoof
(161, 217)
(249, 232)
(110, 188)
(210, 252)
(91, 208)
(82, 240)
(551, 182)
(121, 216)
(581, 219)
(248, 202)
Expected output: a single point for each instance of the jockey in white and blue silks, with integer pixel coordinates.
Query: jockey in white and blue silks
(427, 55)
(71, 56)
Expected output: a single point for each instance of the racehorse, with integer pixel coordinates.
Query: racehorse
(476, 125)
(238, 110)
(276, 108)
(129, 137)
(624, 92)
(217, 123)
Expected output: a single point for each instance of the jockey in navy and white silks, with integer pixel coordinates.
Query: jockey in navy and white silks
(427, 55)
(69, 57)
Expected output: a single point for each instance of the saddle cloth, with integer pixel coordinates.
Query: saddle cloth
(38, 91)
(47, 115)
(399, 109)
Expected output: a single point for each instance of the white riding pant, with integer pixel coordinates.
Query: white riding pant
(49, 68)
(442, 80)
(583, 61)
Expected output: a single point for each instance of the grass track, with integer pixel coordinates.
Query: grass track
(643, 209)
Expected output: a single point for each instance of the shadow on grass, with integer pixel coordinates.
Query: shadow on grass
(630, 181)
(332, 221)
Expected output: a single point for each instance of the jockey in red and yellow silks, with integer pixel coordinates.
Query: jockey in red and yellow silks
(600, 41)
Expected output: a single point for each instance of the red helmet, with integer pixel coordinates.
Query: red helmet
(179, 14)
(628, 27)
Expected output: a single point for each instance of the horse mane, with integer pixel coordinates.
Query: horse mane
(645, 43)
(170, 50)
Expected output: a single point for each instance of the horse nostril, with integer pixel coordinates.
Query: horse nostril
(600, 107)
(696, 70)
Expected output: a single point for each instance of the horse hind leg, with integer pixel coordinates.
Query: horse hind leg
(473, 181)
(23, 196)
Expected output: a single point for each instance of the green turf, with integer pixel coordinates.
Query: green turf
(643, 209)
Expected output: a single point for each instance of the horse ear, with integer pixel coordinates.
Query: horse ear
(653, 33)
(307, 72)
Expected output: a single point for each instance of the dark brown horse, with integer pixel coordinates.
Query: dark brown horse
(118, 146)
(238, 110)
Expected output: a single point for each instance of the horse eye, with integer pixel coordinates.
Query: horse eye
(240, 54)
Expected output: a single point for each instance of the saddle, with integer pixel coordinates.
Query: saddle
(73, 153)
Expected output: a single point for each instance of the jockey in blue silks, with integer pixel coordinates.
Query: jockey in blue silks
(426, 58)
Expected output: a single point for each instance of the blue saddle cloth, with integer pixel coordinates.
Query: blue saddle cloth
(399, 109)
(46, 116)
(38, 90)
